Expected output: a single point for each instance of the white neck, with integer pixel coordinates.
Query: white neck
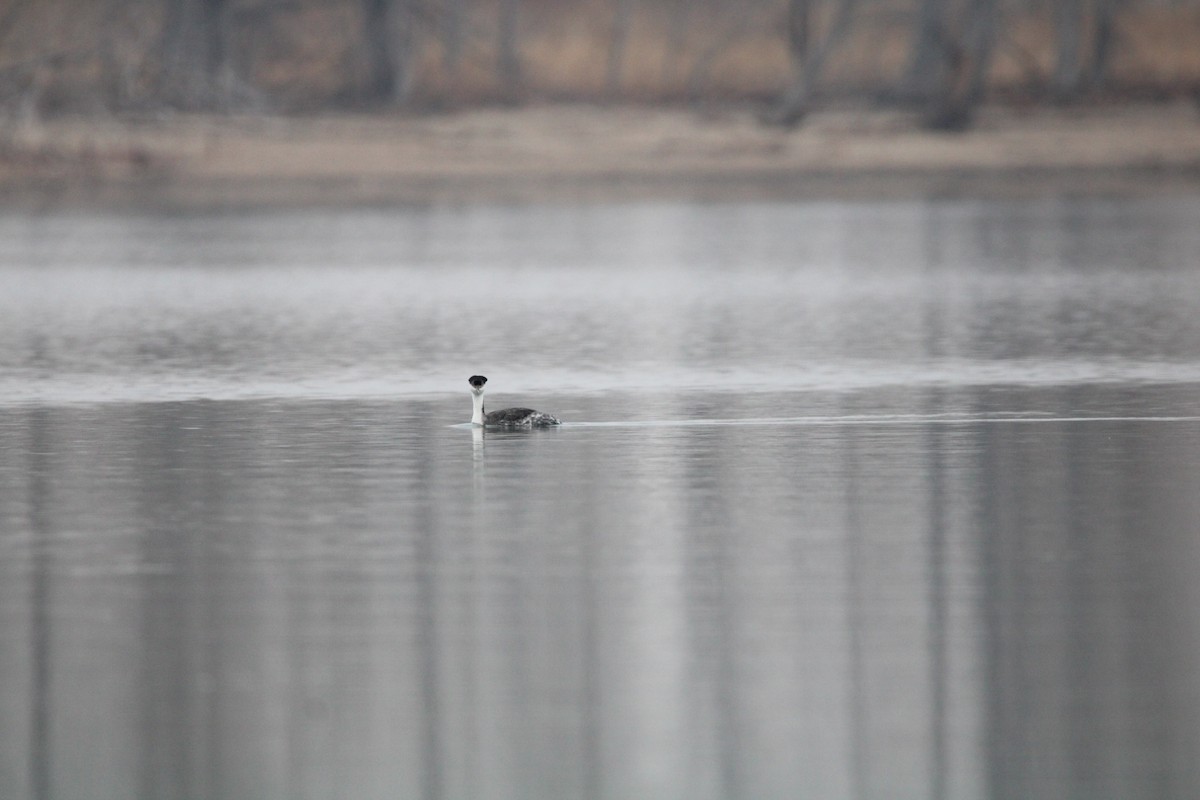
(477, 414)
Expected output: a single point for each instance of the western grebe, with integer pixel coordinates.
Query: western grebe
(509, 417)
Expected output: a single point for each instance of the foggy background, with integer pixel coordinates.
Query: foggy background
(944, 56)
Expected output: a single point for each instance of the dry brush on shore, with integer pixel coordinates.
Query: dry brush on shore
(940, 56)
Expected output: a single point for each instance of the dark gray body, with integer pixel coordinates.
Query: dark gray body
(518, 418)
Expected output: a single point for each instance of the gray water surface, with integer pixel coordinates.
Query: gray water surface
(852, 500)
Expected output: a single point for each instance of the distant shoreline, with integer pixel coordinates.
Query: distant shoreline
(588, 153)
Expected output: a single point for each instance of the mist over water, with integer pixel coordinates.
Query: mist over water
(852, 500)
(740, 298)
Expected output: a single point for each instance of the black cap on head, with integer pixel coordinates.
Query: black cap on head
(477, 380)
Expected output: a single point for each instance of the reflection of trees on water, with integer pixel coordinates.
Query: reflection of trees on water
(1077, 611)
(970, 611)
(40, 627)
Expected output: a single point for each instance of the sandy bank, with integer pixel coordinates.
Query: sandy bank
(586, 151)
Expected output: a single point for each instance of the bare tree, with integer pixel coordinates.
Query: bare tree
(952, 47)
(1069, 23)
(1103, 40)
(676, 39)
(799, 23)
(622, 17)
(454, 27)
(508, 61)
(981, 48)
(963, 75)
(1078, 66)
(389, 39)
(193, 49)
(929, 57)
(808, 62)
(19, 88)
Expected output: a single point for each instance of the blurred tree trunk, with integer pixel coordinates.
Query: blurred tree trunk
(24, 87)
(808, 62)
(793, 107)
(388, 38)
(985, 21)
(964, 71)
(1078, 69)
(508, 60)
(1068, 29)
(454, 35)
(676, 41)
(622, 16)
(1102, 43)
(927, 62)
(193, 52)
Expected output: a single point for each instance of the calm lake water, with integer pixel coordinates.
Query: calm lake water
(853, 500)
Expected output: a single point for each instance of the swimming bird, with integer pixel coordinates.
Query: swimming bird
(507, 418)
